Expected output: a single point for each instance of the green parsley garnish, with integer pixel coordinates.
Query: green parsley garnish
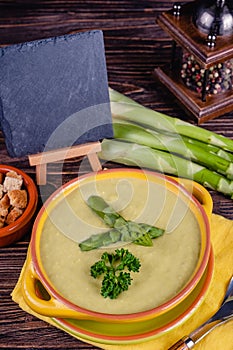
(115, 279)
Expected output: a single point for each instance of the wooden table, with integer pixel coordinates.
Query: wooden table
(134, 45)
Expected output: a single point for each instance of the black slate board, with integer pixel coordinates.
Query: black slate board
(54, 93)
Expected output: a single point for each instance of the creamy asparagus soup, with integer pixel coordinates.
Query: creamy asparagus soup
(165, 267)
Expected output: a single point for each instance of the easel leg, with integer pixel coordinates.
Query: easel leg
(94, 161)
(41, 174)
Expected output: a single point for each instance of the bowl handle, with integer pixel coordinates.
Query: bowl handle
(39, 300)
(199, 192)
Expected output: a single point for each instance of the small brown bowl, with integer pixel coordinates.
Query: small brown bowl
(14, 231)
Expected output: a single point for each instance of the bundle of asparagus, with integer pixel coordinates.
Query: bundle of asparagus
(149, 139)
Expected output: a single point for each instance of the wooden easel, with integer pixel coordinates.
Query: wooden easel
(41, 160)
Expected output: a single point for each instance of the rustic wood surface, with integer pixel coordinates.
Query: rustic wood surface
(134, 46)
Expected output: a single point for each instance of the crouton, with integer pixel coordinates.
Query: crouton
(3, 214)
(13, 215)
(4, 202)
(18, 198)
(12, 181)
(4, 206)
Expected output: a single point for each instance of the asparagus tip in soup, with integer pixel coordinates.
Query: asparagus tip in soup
(120, 229)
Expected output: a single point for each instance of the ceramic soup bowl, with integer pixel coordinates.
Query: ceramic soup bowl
(57, 280)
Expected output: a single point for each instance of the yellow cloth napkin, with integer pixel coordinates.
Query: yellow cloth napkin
(219, 339)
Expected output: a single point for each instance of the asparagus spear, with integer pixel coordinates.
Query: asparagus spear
(210, 148)
(127, 109)
(121, 229)
(206, 146)
(172, 143)
(145, 157)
